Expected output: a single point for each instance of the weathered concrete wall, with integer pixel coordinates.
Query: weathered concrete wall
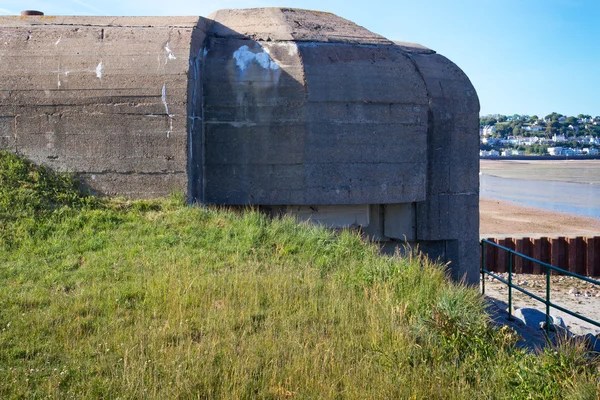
(102, 96)
(308, 108)
(300, 111)
(450, 214)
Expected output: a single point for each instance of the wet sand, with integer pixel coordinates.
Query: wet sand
(504, 218)
(523, 180)
(575, 171)
(569, 186)
(500, 218)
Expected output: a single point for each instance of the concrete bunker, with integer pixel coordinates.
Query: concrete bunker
(297, 111)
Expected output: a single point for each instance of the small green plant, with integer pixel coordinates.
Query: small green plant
(26, 189)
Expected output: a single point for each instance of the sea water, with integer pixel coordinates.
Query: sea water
(576, 198)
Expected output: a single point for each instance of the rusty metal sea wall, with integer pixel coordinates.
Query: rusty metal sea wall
(576, 254)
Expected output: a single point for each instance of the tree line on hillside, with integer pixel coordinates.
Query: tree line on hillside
(548, 126)
(553, 134)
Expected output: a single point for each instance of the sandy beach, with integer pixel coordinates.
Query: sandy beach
(500, 218)
(578, 171)
(505, 218)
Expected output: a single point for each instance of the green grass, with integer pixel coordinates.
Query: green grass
(155, 299)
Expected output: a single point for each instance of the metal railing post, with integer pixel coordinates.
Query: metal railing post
(482, 267)
(510, 268)
(547, 300)
(549, 268)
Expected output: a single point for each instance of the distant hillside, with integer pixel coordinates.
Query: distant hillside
(549, 125)
(555, 134)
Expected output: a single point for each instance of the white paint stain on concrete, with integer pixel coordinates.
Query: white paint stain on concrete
(170, 116)
(170, 126)
(58, 75)
(264, 59)
(170, 55)
(244, 57)
(164, 98)
(99, 70)
(292, 47)
(67, 72)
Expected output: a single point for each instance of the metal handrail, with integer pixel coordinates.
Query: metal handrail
(548, 267)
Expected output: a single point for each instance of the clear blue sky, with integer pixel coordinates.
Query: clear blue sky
(523, 56)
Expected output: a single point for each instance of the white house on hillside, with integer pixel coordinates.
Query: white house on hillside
(490, 141)
(488, 153)
(559, 138)
(488, 130)
(532, 128)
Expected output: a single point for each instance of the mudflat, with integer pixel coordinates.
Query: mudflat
(505, 218)
(498, 217)
(577, 171)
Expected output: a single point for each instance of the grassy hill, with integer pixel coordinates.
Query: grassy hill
(155, 299)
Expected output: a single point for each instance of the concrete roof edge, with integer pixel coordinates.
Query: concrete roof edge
(290, 24)
(413, 47)
(179, 21)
